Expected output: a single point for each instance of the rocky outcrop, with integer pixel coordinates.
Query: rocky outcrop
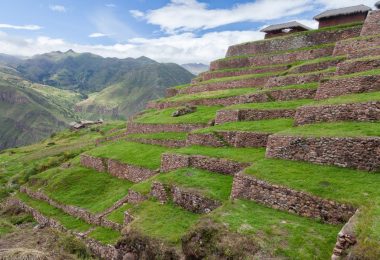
(297, 202)
(369, 111)
(361, 153)
(351, 85)
(171, 161)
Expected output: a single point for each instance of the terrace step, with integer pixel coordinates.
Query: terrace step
(116, 168)
(265, 96)
(161, 142)
(352, 46)
(279, 197)
(315, 66)
(342, 86)
(371, 25)
(354, 66)
(229, 138)
(368, 111)
(140, 128)
(271, 59)
(224, 116)
(361, 153)
(187, 199)
(172, 161)
(297, 79)
(298, 40)
(370, 52)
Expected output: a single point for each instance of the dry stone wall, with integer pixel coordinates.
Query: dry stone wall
(371, 25)
(162, 142)
(138, 128)
(228, 138)
(305, 68)
(197, 102)
(361, 153)
(344, 86)
(350, 67)
(170, 162)
(353, 45)
(294, 41)
(282, 198)
(296, 79)
(365, 53)
(369, 111)
(224, 116)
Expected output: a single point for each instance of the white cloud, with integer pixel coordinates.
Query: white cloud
(111, 5)
(58, 8)
(189, 15)
(344, 3)
(136, 13)
(182, 48)
(97, 35)
(30, 27)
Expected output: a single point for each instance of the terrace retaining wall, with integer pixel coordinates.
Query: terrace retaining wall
(229, 138)
(296, 41)
(282, 198)
(344, 86)
(138, 128)
(365, 53)
(350, 67)
(361, 153)
(224, 116)
(162, 142)
(271, 59)
(305, 68)
(371, 25)
(296, 79)
(353, 45)
(170, 162)
(369, 111)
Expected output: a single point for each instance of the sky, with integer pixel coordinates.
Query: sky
(180, 31)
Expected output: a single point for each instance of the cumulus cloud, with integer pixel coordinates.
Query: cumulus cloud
(181, 48)
(344, 3)
(97, 35)
(111, 5)
(189, 15)
(30, 27)
(58, 8)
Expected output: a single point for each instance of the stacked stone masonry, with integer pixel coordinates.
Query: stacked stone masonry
(224, 116)
(351, 46)
(296, 41)
(312, 67)
(170, 162)
(371, 25)
(296, 79)
(350, 152)
(350, 67)
(162, 142)
(271, 59)
(229, 138)
(365, 53)
(189, 200)
(345, 86)
(116, 168)
(137, 128)
(282, 198)
(369, 111)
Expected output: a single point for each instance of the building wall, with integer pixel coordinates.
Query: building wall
(342, 20)
(281, 33)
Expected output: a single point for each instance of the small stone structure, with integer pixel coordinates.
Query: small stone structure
(171, 161)
(369, 111)
(282, 198)
(344, 15)
(361, 153)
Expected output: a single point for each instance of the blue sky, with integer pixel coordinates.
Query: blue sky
(178, 31)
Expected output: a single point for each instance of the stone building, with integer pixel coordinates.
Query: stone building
(283, 29)
(344, 15)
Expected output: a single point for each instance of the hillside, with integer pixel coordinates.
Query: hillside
(195, 68)
(274, 154)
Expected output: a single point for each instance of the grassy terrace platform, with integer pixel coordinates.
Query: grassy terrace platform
(262, 126)
(105, 236)
(64, 219)
(291, 104)
(278, 233)
(347, 99)
(144, 155)
(336, 129)
(161, 136)
(210, 94)
(71, 186)
(234, 78)
(358, 74)
(164, 116)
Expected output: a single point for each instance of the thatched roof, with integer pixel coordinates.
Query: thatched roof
(377, 4)
(282, 26)
(343, 11)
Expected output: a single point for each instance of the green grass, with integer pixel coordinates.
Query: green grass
(251, 68)
(279, 233)
(211, 185)
(352, 98)
(210, 94)
(339, 129)
(232, 153)
(161, 136)
(291, 104)
(82, 187)
(164, 116)
(358, 74)
(144, 155)
(261, 126)
(367, 58)
(44, 208)
(166, 222)
(105, 235)
(118, 214)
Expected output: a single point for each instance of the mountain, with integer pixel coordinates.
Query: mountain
(195, 68)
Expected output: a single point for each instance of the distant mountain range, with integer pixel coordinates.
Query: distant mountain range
(40, 95)
(195, 68)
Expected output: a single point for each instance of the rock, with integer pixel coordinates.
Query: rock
(184, 110)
